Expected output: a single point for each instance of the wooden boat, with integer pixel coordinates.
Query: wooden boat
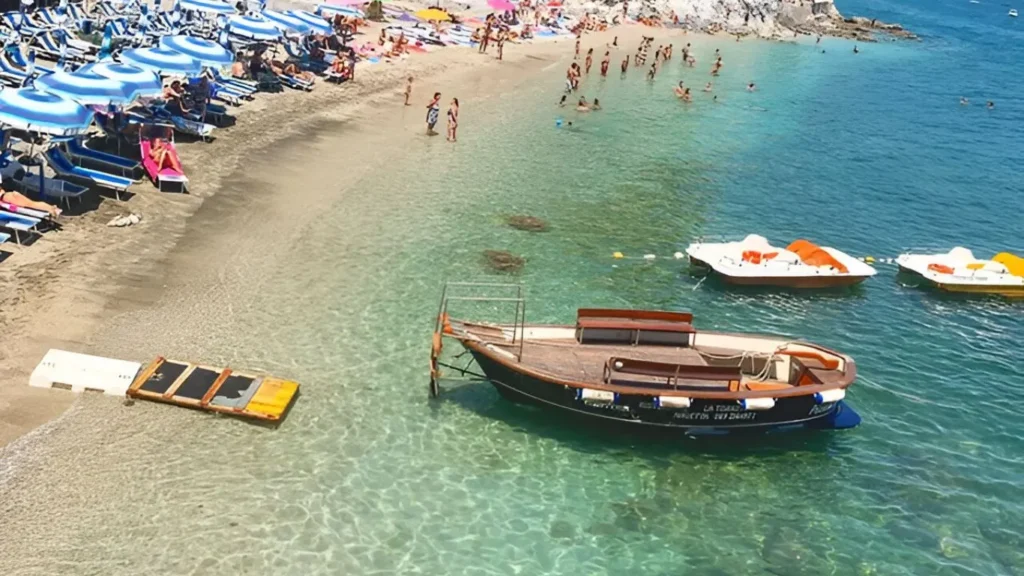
(959, 271)
(753, 261)
(653, 370)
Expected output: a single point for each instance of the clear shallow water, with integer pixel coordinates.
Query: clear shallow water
(868, 153)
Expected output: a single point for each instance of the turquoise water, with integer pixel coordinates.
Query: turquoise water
(869, 153)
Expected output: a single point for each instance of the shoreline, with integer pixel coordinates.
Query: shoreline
(69, 284)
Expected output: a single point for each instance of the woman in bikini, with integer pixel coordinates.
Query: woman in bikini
(453, 119)
(9, 199)
(164, 157)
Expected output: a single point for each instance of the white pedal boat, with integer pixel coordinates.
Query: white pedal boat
(753, 261)
(959, 271)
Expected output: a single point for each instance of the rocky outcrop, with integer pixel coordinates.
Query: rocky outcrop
(776, 19)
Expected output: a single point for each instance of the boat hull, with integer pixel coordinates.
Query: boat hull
(702, 417)
(802, 282)
(981, 289)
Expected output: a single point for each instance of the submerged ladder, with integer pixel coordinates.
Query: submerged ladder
(480, 292)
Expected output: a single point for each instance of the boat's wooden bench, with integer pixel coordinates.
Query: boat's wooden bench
(671, 372)
(607, 326)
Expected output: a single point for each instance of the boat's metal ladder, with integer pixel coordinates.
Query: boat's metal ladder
(474, 292)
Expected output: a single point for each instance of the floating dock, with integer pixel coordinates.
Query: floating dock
(243, 394)
(214, 389)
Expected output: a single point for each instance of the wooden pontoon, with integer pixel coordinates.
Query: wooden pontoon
(214, 389)
(654, 370)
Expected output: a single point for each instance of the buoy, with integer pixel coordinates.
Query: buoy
(617, 255)
(649, 256)
(678, 255)
(558, 122)
(869, 259)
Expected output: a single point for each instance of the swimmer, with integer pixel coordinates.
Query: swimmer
(582, 106)
(686, 96)
(605, 62)
(652, 71)
(751, 87)
(708, 88)
(596, 105)
(590, 60)
(680, 90)
(964, 101)
(561, 102)
(990, 105)
(715, 99)
(855, 49)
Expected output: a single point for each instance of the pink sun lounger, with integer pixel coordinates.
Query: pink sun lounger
(166, 179)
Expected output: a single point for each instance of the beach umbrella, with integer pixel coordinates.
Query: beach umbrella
(254, 28)
(30, 68)
(285, 22)
(433, 14)
(501, 5)
(108, 39)
(316, 23)
(207, 52)
(36, 111)
(86, 89)
(162, 61)
(348, 2)
(142, 83)
(207, 6)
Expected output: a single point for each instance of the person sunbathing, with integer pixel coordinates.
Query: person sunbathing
(164, 156)
(290, 69)
(19, 199)
(340, 67)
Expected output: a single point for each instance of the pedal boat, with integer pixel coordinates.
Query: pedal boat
(653, 371)
(753, 261)
(959, 271)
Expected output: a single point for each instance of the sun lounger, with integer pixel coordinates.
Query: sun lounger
(78, 153)
(20, 23)
(18, 224)
(21, 210)
(237, 84)
(9, 72)
(66, 169)
(54, 189)
(4, 237)
(166, 179)
(47, 45)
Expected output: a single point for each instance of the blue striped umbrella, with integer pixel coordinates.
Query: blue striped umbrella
(141, 82)
(208, 6)
(162, 61)
(316, 23)
(328, 11)
(285, 22)
(35, 111)
(89, 90)
(253, 28)
(205, 51)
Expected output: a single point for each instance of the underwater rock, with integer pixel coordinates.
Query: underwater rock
(562, 530)
(527, 223)
(504, 261)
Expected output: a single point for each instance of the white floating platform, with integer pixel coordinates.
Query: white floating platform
(81, 372)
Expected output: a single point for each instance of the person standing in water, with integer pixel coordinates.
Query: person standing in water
(433, 109)
(624, 66)
(453, 119)
(589, 61)
(654, 70)
(605, 62)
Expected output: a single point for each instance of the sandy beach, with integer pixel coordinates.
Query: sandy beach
(68, 283)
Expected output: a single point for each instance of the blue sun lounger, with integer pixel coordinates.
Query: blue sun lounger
(79, 154)
(4, 237)
(61, 191)
(18, 224)
(66, 169)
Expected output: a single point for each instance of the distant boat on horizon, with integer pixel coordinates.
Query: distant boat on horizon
(1012, 13)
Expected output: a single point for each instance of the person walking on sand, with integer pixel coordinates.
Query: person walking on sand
(589, 61)
(605, 62)
(433, 109)
(408, 90)
(486, 38)
(625, 65)
(501, 44)
(577, 56)
(453, 119)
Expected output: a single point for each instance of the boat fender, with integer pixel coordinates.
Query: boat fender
(757, 403)
(672, 402)
(595, 396)
(617, 255)
(829, 396)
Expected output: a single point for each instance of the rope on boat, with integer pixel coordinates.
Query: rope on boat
(764, 373)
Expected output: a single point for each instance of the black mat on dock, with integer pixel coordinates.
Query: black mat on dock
(197, 383)
(234, 386)
(164, 376)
